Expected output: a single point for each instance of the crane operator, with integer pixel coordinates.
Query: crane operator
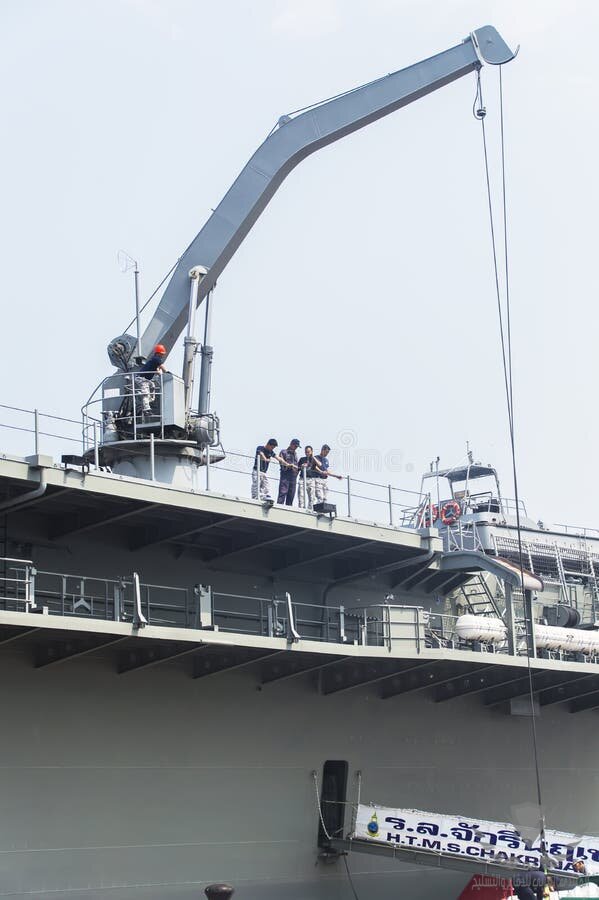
(143, 379)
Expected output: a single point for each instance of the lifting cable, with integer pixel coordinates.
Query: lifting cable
(505, 332)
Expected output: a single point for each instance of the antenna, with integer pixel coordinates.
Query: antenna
(126, 263)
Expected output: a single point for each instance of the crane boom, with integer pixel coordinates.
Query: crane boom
(293, 140)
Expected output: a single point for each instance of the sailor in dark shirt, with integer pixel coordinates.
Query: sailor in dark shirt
(288, 477)
(143, 378)
(308, 469)
(324, 473)
(530, 884)
(262, 457)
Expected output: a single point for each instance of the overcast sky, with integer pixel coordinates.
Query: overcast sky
(360, 310)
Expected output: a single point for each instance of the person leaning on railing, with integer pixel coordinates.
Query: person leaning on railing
(145, 374)
(324, 473)
(262, 458)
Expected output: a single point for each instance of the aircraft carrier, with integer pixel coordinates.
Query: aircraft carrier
(201, 687)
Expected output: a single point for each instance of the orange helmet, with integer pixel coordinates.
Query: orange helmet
(161, 349)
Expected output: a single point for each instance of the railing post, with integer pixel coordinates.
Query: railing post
(33, 573)
(161, 404)
(364, 629)
(531, 644)
(96, 448)
(119, 599)
(219, 891)
(512, 641)
(349, 497)
(30, 588)
(390, 505)
(152, 458)
(134, 407)
(36, 431)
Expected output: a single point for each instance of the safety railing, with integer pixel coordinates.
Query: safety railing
(391, 626)
(24, 588)
(489, 502)
(462, 536)
(127, 405)
(269, 617)
(511, 506)
(17, 583)
(394, 626)
(353, 496)
(575, 531)
(34, 432)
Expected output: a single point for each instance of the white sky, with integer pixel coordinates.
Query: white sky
(360, 310)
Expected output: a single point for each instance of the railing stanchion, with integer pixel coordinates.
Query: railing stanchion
(36, 431)
(96, 448)
(32, 574)
(152, 458)
(390, 505)
(348, 497)
(134, 407)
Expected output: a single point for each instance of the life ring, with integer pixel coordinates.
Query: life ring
(450, 512)
(431, 514)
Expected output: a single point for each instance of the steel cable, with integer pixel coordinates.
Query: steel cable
(506, 352)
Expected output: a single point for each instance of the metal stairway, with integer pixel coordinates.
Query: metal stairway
(591, 599)
(479, 598)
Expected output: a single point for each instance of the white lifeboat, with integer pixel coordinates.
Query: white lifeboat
(575, 640)
(489, 629)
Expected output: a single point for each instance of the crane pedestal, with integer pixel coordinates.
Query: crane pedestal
(169, 461)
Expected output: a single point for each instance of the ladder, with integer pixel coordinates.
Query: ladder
(593, 584)
(479, 598)
(561, 574)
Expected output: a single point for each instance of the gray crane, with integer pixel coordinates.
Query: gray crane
(293, 139)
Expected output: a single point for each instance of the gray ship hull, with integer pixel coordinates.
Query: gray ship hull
(155, 784)
(123, 776)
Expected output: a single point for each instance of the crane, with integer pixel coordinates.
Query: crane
(293, 139)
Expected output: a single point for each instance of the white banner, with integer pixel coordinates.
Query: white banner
(496, 842)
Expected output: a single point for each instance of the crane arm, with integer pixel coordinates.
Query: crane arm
(292, 141)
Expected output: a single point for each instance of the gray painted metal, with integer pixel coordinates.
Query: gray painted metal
(292, 141)
(475, 561)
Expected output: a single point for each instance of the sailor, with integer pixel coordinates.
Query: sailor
(530, 884)
(324, 472)
(262, 457)
(143, 379)
(308, 467)
(289, 470)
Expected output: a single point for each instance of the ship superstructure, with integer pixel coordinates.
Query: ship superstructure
(471, 513)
